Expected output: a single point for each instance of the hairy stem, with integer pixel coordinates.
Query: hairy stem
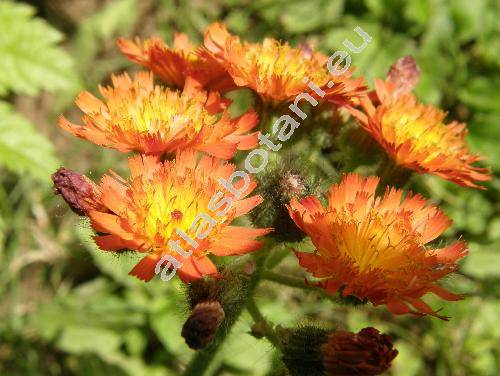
(287, 281)
(202, 359)
(257, 316)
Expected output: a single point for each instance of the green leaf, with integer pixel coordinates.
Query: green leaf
(483, 138)
(469, 18)
(482, 93)
(302, 17)
(419, 12)
(114, 19)
(85, 339)
(30, 60)
(482, 261)
(22, 148)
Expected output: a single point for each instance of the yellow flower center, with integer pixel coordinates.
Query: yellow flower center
(275, 59)
(165, 203)
(158, 111)
(403, 120)
(379, 241)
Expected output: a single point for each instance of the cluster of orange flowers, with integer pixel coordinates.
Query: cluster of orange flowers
(375, 247)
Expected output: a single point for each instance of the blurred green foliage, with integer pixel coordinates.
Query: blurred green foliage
(69, 309)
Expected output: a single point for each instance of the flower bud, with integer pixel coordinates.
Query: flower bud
(213, 302)
(77, 190)
(203, 323)
(317, 352)
(404, 75)
(285, 178)
(258, 330)
(302, 353)
(365, 353)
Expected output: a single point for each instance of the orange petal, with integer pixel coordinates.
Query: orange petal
(445, 294)
(222, 150)
(234, 240)
(108, 223)
(244, 206)
(145, 269)
(195, 268)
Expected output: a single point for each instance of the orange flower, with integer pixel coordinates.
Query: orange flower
(164, 203)
(375, 247)
(415, 136)
(174, 64)
(137, 115)
(274, 70)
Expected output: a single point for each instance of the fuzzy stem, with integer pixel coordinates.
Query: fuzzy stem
(201, 360)
(287, 281)
(257, 316)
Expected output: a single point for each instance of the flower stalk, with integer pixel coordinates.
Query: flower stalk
(202, 359)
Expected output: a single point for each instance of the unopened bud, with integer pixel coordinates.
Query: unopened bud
(213, 301)
(202, 325)
(259, 329)
(286, 178)
(365, 353)
(76, 189)
(302, 350)
(317, 352)
(306, 50)
(404, 75)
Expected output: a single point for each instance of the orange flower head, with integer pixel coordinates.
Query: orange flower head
(416, 137)
(174, 208)
(274, 70)
(376, 248)
(175, 64)
(137, 115)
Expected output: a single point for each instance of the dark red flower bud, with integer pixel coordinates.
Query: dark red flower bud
(202, 325)
(365, 353)
(77, 190)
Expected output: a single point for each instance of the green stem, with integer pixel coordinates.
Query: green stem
(202, 359)
(287, 281)
(257, 316)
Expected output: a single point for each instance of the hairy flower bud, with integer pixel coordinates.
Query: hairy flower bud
(203, 323)
(314, 351)
(365, 353)
(76, 189)
(213, 302)
(284, 179)
(302, 353)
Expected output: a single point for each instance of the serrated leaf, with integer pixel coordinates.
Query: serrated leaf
(22, 148)
(30, 60)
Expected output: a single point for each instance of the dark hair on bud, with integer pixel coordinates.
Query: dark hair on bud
(287, 177)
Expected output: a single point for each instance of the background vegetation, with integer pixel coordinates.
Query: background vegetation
(68, 309)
